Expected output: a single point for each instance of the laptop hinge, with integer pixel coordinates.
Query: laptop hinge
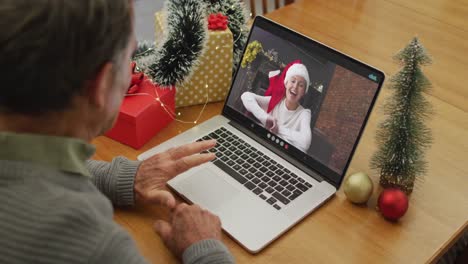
(266, 144)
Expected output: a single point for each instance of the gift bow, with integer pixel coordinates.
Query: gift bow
(217, 22)
(137, 79)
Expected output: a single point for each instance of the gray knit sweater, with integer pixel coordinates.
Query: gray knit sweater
(51, 212)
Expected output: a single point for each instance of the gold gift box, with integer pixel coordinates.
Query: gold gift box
(211, 79)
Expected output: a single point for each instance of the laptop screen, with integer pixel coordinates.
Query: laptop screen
(306, 100)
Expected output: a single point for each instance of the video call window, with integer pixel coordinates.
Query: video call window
(303, 98)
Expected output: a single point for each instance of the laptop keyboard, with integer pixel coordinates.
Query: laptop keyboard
(257, 172)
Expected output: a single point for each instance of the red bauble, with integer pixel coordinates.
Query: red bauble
(393, 203)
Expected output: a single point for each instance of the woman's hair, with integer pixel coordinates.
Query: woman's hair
(49, 49)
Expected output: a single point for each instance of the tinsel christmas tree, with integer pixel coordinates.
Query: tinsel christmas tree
(186, 21)
(403, 137)
(174, 60)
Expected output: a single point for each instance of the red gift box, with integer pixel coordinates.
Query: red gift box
(141, 115)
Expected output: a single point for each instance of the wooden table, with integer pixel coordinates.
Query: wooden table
(340, 232)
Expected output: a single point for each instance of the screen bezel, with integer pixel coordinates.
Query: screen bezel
(333, 55)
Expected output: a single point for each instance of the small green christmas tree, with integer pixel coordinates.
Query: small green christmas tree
(403, 137)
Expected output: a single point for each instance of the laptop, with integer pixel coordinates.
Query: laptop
(264, 181)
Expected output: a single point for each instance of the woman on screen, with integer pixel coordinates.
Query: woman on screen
(280, 110)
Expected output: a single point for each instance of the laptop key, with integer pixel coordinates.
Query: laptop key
(308, 184)
(249, 176)
(230, 172)
(262, 185)
(243, 172)
(272, 183)
(302, 187)
(286, 193)
(265, 179)
(262, 196)
(276, 178)
(269, 190)
(213, 135)
(252, 170)
(280, 197)
(283, 183)
(290, 188)
(221, 149)
(257, 191)
(279, 188)
(256, 180)
(249, 185)
(277, 207)
(271, 200)
(293, 196)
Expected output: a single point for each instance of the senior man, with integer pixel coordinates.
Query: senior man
(65, 68)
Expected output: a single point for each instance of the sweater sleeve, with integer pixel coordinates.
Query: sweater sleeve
(117, 247)
(208, 251)
(115, 179)
(257, 105)
(300, 138)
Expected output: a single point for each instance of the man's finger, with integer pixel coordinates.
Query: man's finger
(163, 229)
(161, 197)
(189, 162)
(191, 148)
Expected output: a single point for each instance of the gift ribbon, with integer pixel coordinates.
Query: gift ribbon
(137, 80)
(217, 22)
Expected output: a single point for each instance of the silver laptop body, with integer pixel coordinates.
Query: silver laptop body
(251, 215)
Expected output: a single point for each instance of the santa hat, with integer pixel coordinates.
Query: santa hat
(298, 69)
(277, 82)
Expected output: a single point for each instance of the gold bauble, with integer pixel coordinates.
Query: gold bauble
(358, 187)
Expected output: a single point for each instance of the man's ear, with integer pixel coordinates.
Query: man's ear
(98, 87)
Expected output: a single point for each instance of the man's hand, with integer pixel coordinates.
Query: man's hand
(154, 172)
(188, 225)
(271, 124)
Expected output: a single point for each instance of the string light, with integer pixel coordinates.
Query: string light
(178, 114)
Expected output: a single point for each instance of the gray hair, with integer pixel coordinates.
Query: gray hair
(50, 48)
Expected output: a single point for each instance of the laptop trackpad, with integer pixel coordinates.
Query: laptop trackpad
(207, 189)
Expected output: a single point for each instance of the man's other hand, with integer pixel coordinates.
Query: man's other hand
(154, 172)
(189, 224)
